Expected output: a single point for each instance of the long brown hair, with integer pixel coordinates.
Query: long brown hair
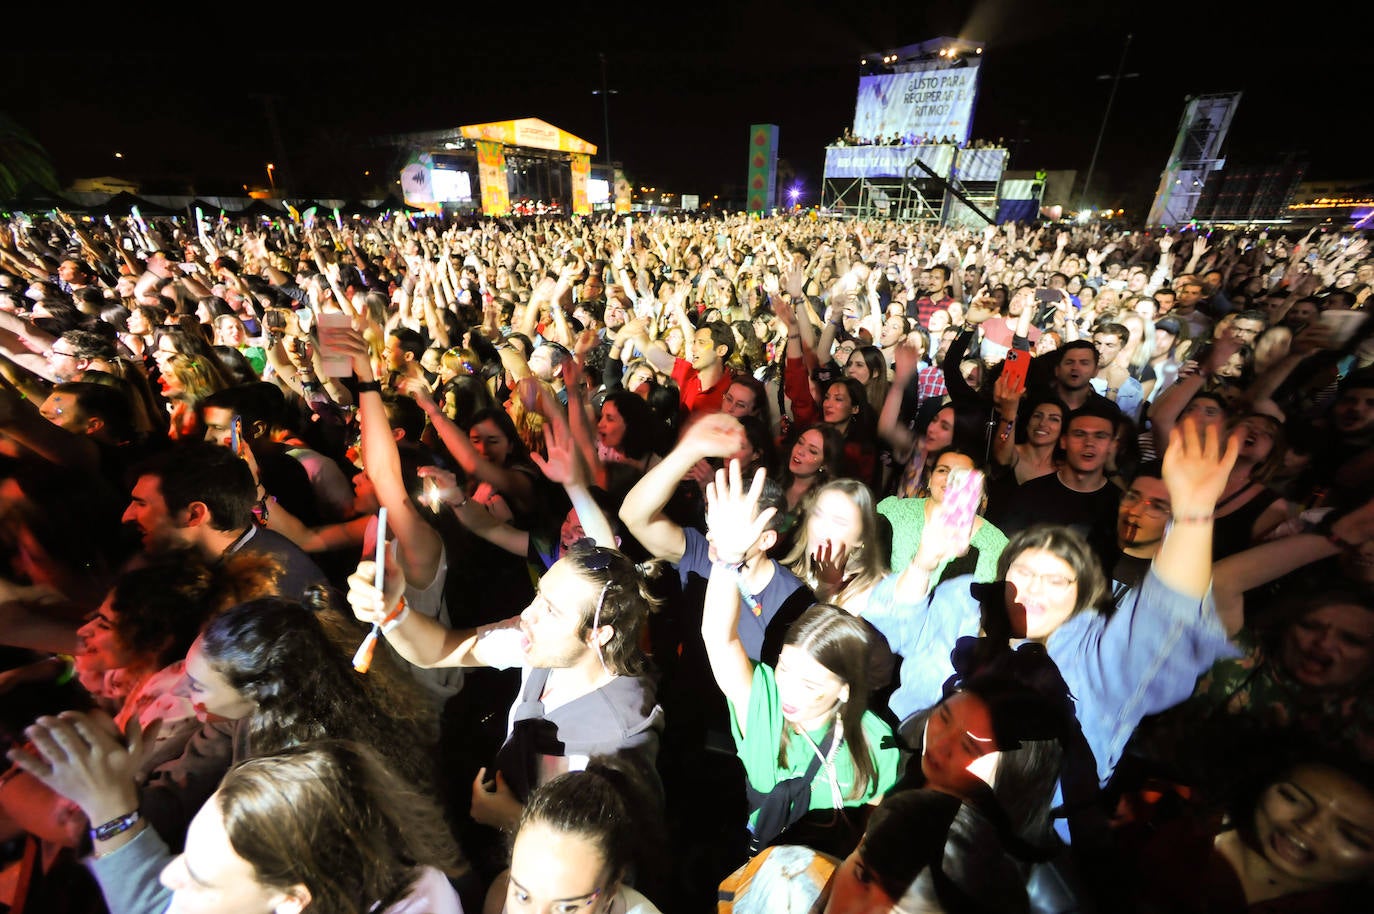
(332, 817)
(838, 641)
(868, 556)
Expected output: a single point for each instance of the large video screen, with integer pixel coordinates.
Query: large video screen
(451, 186)
(932, 103)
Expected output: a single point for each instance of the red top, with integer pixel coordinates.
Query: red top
(695, 398)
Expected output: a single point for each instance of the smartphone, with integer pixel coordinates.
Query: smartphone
(1015, 366)
(432, 494)
(963, 496)
(235, 425)
(1047, 295)
(334, 361)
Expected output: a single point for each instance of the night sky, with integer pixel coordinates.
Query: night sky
(189, 112)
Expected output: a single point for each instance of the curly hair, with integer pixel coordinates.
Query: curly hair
(278, 654)
(159, 608)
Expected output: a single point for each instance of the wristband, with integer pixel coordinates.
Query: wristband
(1192, 518)
(396, 616)
(365, 386)
(117, 826)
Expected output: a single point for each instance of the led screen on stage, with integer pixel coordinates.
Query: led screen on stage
(451, 186)
(932, 103)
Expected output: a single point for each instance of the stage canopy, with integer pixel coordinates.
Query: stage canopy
(530, 132)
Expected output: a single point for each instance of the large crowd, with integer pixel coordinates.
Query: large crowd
(625, 564)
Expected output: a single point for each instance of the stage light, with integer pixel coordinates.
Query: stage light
(980, 50)
(119, 155)
(863, 62)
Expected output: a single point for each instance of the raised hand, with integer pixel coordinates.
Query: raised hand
(733, 521)
(715, 435)
(1007, 394)
(370, 604)
(419, 391)
(829, 561)
(442, 488)
(1223, 347)
(1196, 468)
(982, 308)
(587, 340)
(794, 279)
(562, 465)
(784, 313)
(907, 357)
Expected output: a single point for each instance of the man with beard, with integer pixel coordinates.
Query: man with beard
(1141, 521)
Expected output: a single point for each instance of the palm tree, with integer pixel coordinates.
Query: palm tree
(23, 161)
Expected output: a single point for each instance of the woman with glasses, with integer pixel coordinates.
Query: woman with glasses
(1139, 660)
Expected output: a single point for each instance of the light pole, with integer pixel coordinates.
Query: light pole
(605, 105)
(1102, 131)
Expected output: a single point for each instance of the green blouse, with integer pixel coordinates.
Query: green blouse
(758, 749)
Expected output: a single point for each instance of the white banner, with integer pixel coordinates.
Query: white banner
(885, 161)
(932, 102)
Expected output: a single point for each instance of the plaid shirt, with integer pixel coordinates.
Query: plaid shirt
(930, 382)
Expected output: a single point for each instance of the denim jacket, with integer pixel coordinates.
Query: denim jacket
(1144, 658)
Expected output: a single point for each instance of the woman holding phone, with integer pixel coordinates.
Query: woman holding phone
(1143, 658)
(909, 517)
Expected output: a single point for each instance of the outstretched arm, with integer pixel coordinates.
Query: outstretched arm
(1195, 472)
(734, 524)
(421, 640)
(419, 543)
(563, 467)
(716, 435)
(1236, 574)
